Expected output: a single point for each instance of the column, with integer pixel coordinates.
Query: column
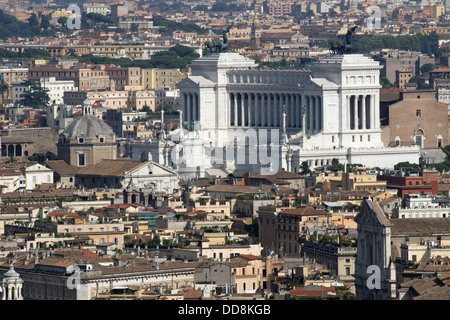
(317, 113)
(355, 113)
(194, 106)
(188, 108)
(249, 109)
(231, 109)
(348, 112)
(298, 110)
(274, 110)
(197, 98)
(257, 106)
(240, 109)
(311, 114)
(184, 107)
(376, 107)
(235, 110)
(368, 112)
(263, 108)
(363, 112)
(293, 110)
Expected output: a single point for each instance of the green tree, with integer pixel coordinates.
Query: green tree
(385, 83)
(405, 164)
(304, 168)
(45, 22)
(33, 21)
(62, 21)
(3, 88)
(427, 67)
(36, 97)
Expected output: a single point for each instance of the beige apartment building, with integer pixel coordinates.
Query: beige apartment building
(125, 78)
(156, 78)
(98, 233)
(280, 228)
(86, 78)
(10, 76)
(124, 99)
(132, 51)
(358, 181)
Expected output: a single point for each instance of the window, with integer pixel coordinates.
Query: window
(81, 160)
(418, 112)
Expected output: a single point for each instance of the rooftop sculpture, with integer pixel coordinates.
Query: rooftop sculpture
(346, 47)
(222, 45)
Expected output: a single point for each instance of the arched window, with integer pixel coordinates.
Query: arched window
(419, 137)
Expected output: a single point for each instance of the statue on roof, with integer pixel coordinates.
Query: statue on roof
(222, 45)
(346, 47)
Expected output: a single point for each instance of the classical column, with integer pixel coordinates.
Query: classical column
(249, 109)
(194, 106)
(235, 109)
(348, 111)
(188, 108)
(274, 110)
(355, 112)
(368, 112)
(184, 106)
(231, 109)
(263, 108)
(298, 111)
(257, 106)
(311, 114)
(363, 112)
(294, 110)
(241, 109)
(317, 126)
(376, 107)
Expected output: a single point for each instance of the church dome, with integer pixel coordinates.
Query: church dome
(90, 128)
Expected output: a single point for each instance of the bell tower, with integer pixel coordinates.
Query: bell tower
(11, 285)
(255, 34)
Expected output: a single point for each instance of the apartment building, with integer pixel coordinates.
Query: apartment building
(125, 78)
(11, 76)
(422, 206)
(98, 233)
(132, 51)
(280, 228)
(156, 78)
(85, 78)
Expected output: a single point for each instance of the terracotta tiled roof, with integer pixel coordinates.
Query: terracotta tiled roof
(313, 290)
(305, 211)
(114, 168)
(61, 167)
(418, 226)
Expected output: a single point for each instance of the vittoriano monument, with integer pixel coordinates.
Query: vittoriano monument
(346, 47)
(220, 46)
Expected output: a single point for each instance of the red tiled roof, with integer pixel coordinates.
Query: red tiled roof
(303, 292)
(250, 257)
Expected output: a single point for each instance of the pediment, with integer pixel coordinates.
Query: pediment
(371, 213)
(187, 83)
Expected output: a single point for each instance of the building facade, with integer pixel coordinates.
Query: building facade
(330, 111)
